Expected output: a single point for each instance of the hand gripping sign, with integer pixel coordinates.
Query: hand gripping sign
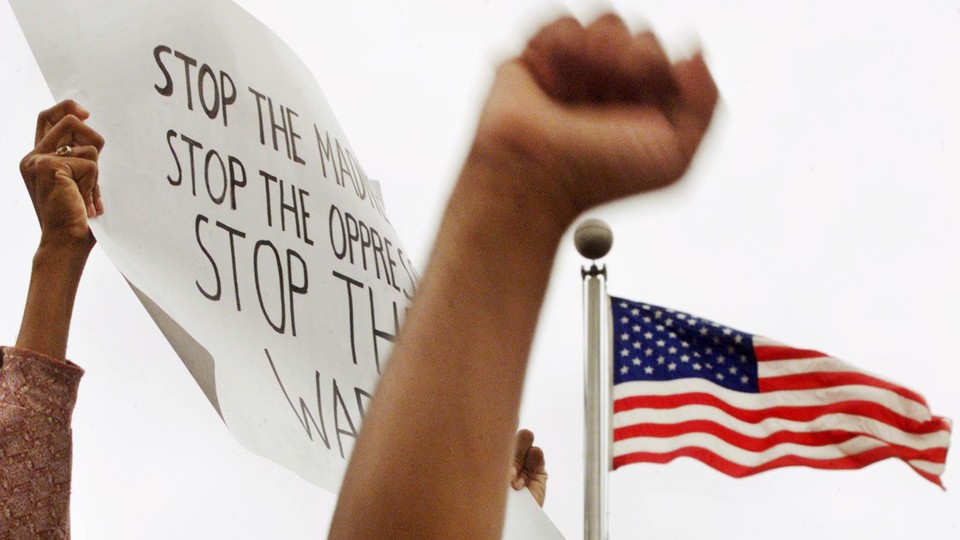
(241, 217)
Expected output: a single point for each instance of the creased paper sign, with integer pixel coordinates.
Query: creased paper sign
(240, 216)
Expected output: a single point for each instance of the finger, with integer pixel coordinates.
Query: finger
(697, 99)
(97, 199)
(535, 464)
(524, 442)
(605, 37)
(85, 173)
(85, 152)
(644, 70)
(610, 24)
(535, 474)
(49, 118)
(519, 482)
(606, 40)
(70, 131)
(554, 56)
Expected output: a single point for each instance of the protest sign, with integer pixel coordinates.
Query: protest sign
(241, 217)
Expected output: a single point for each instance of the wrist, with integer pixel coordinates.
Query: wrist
(518, 190)
(63, 258)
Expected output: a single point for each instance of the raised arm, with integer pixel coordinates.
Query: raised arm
(61, 177)
(584, 116)
(38, 386)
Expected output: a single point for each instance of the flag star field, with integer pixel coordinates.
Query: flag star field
(659, 344)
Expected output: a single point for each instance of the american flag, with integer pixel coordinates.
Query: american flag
(743, 404)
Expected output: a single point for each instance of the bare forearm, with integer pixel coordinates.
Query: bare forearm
(454, 382)
(57, 268)
(584, 116)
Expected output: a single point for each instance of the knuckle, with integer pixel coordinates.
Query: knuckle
(609, 21)
(71, 121)
(43, 163)
(26, 165)
(87, 135)
(85, 168)
(89, 153)
(98, 141)
(67, 107)
(47, 113)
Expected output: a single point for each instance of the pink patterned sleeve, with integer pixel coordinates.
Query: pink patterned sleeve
(37, 394)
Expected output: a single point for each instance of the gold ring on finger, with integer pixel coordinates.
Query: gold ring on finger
(65, 151)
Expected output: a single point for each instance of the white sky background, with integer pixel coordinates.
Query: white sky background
(823, 212)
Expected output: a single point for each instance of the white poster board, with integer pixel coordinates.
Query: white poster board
(241, 217)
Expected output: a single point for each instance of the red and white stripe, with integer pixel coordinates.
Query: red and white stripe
(812, 410)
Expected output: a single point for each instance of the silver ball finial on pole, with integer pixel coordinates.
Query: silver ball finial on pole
(593, 239)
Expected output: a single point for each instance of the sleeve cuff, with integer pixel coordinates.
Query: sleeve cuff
(39, 382)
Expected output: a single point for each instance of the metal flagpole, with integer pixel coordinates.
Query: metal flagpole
(593, 240)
